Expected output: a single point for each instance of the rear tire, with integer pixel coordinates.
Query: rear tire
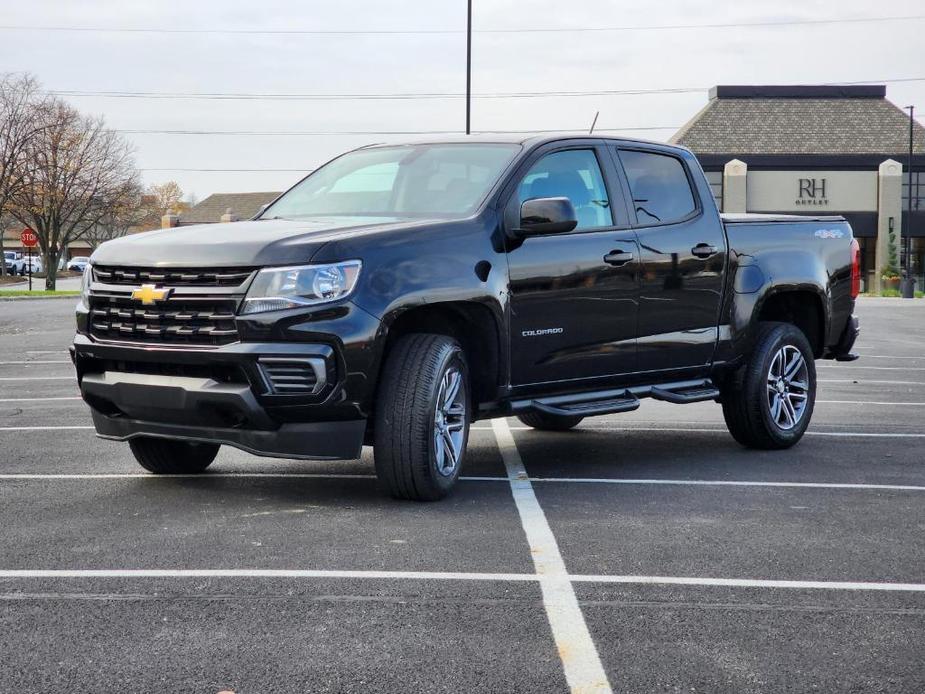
(549, 422)
(422, 417)
(769, 402)
(172, 457)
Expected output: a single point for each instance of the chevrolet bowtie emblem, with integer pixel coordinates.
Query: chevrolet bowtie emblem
(148, 294)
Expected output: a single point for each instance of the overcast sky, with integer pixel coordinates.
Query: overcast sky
(429, 63)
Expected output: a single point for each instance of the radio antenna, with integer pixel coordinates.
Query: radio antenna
(594, 122)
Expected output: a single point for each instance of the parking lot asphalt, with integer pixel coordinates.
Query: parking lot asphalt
(641, 552)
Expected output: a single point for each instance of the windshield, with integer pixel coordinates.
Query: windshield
(404, 181)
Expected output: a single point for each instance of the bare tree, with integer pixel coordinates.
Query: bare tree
(19, 96)
(168, 197)
(74, 173)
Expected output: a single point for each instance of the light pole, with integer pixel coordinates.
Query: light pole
(469, 68)
(907, 290)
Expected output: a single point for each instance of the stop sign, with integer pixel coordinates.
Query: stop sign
(29, 238)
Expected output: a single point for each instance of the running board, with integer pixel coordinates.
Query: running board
(707, 391)
(625, 402)
(610, 401)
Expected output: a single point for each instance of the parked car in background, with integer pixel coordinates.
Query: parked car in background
(20, 266)
(78, 263)
(9, 259)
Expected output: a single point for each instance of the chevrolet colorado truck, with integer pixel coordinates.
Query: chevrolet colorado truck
(401, 292)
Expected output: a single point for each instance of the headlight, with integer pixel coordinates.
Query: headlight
(85, 285)
(278, 288)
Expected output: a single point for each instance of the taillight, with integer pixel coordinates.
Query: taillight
(855, 268)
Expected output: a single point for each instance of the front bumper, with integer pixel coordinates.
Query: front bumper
(221, 396)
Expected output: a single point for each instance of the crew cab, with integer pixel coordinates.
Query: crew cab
(401, 292)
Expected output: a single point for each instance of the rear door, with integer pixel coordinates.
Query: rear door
(573, 296)
(683, 255)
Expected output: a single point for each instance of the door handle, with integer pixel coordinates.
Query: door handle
(618, 257)
(703, 250)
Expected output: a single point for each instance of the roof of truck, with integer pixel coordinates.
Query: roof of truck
(519, 138)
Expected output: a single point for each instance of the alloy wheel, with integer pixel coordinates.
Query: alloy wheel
(450, 421)
(787, 387)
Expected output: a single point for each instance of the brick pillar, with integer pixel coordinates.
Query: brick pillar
(169, 220)
(889, 206)
(735, 175)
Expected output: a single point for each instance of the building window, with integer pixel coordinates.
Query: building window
(918, 191)
(715, 179)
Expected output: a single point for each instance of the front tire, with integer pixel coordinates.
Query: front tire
(172, 457)
(769, 402)
(549, 422)
(422, 417)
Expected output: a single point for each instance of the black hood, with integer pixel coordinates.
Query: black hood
(244, 244)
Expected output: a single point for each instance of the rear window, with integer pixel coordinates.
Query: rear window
(660, 188)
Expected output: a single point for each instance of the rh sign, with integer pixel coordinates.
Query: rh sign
(29, 238)
(811, 191)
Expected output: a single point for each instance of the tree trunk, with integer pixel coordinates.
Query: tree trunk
(2, 258)
(51, 267)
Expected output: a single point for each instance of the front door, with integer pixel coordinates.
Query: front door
(573, 295)
(683, 253)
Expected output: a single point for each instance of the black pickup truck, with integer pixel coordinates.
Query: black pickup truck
(401, 292)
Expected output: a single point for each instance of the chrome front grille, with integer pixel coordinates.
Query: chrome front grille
(172, 277)
(201, 321)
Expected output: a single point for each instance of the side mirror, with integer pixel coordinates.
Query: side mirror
(547, 216)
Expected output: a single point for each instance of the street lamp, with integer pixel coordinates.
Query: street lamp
(468, 67)
(907, 288)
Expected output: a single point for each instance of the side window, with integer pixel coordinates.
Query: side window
(576, 175)
(658, 182)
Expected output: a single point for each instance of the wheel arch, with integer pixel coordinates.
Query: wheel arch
(804, 307)
(473, 324)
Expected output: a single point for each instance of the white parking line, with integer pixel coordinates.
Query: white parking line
(872, 368)
(749, 583)
(264, 573)
(580, 660)
(700, 430)
(886, 356)
(43, 428)
(557, 480)
(36, 361)
(461, 576)
(868, 402)
(206, 476)
(733, 483)
(38, 378)
(860, 380)
(845, 434)
(74, 397)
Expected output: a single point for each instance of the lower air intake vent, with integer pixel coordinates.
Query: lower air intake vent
(285, 376)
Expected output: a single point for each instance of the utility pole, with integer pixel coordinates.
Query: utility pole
(469, 68)
(907, 290)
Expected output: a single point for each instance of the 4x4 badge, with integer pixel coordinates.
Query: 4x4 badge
(148, 294)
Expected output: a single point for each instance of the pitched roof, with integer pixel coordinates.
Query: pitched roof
(243, 205)
(800, 120)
